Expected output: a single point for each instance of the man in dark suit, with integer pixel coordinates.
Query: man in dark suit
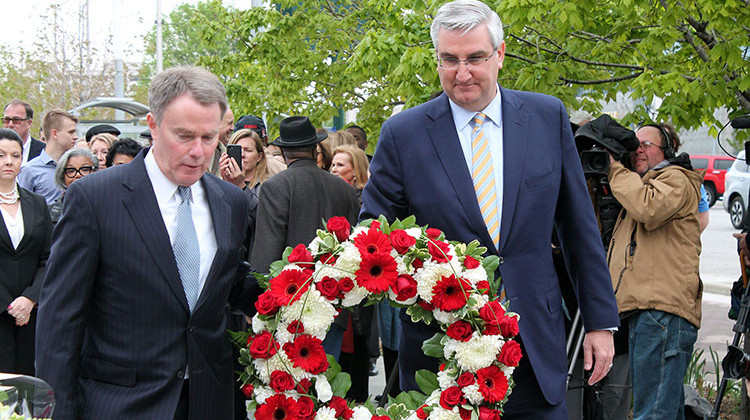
(529, 181)
(144, 260)
(18, 116)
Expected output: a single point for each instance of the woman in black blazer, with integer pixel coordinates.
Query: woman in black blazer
(25, 234)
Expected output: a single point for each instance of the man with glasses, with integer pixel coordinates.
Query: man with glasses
(514, 153)
(654, 260)
(18, 116)
(38, 176)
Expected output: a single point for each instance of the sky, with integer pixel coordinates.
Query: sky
(22, 18)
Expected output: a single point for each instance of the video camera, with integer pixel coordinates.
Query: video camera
(599, 138)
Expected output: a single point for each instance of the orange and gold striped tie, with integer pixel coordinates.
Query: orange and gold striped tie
(483, 177)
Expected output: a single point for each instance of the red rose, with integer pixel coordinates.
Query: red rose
(466, 379)
(341, 408)
(464, 413)
(375, 225)
(346, 284)
(405, 287)
(491, 330)
(327, 258)
(296, 327)
(303, 386)
(492, 313)
(263, 346)
(442, 367)
(281, 381)
(421, 414)
(425, 305)
(305, 408)
(460, 330)
(247, 390)
(402, 241)
(266, 304)
(509, 326)
(340, 227)
(483, 286)
(451, 397)
(438, 251)
(510, 354)
(417, 263)
(300, 254)
(328, 287)
(433, 233)
(470, 262)
(486, 413)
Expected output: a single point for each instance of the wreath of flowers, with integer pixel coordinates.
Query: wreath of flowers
(287, 372)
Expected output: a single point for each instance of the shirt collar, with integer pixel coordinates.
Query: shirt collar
(462, 117)
(165, 189)
(45, 158)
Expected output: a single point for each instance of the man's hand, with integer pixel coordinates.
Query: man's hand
(742, 244)
(599, 347)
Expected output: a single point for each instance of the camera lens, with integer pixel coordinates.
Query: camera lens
(595, 162)
(736, 363)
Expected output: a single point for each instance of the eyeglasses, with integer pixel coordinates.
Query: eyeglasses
(647, 144)
(16, 120)
(83, 170)
(472, 63)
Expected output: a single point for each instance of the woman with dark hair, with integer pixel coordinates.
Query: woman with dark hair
(73, 165)
(122, 151)
(25, 235)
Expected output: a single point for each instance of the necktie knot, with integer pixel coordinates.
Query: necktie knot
(479, 119)
(185, 193)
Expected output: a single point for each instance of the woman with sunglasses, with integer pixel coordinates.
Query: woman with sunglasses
(73, 165)
(25, 232)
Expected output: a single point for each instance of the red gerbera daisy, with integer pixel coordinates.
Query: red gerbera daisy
(377, 272)
(306, 352)
(373, 241)
(493, 385)
(288, 286)
(450, 293)
(278, 407)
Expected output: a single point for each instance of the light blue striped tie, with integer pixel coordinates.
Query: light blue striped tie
(483, 177)
(186, 250)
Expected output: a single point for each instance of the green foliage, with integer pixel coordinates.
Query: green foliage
(427, 380)
(433, 347)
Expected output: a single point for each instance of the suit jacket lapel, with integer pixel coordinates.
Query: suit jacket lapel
(29, 216)
(442, 133)
(515, 127)
(4, 235)
(220, 217)
(140, 202)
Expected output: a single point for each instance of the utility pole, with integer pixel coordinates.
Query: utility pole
(119, 66)
(159, 59)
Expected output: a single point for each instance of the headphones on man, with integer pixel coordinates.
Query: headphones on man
(666, 139)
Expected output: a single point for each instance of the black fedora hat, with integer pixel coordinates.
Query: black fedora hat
(297, 132)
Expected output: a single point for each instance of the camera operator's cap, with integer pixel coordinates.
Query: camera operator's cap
(253, 123)
(297, 132)
(99, 129)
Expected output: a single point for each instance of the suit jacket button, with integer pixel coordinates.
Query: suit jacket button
(501, 260)
(180, 374)
(191, 329)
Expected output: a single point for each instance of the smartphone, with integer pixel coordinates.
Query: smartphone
(235, 152)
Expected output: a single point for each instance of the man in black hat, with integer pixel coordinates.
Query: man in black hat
(292, 204)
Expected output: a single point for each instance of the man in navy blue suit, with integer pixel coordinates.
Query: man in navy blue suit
(144, 260)
(425, 165)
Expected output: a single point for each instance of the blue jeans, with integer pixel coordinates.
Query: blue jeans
(332, 342)
(661, 345)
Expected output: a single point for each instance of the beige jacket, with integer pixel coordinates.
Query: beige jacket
(655, 250)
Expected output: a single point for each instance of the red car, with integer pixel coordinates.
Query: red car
(716, 168)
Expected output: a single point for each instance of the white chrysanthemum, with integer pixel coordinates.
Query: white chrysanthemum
(323, 389)
(361, 413)
(472, 394)
(326, 270)
(507, 370)
(357, 230)
(446, 378)
(348, 261)
(315, 245)
(292, 267)
(414, 232)
(475, 275)
(313, 310)
(401, 265)
(481, 300)
(282, 334)
(428, 276)
(325, 413)
(444, 317)
(480, 351)
(439, 413)
(354, 297)
(261, 393)
(258, 325)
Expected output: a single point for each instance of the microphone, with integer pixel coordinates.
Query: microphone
(741, 122)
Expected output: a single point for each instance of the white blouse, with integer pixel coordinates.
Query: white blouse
(14, 225)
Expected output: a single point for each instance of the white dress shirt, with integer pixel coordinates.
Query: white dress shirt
(26, 150)
(169, 199)
(14, 225)
(493, 131)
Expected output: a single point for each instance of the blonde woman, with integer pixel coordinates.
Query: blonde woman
(99, 146)
(254, 165)
(350, 164)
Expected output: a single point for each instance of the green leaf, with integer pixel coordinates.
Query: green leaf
(417, 314)
(333, 368)
(426, 381)
(341, 384)
(398, 411)
(433, 347)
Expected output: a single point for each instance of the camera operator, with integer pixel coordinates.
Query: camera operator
(653, 260)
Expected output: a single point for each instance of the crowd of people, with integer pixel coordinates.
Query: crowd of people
(153, 257)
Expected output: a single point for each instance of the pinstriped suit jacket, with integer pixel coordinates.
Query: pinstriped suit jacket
(114, 329)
